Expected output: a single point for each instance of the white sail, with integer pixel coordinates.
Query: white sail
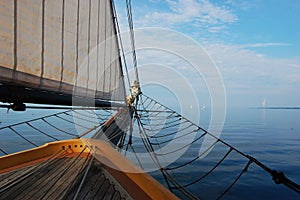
(44, 44)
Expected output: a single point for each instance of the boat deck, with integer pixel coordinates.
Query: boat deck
(69, 170)
(61, 178)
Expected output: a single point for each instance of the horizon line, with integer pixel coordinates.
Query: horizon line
(276, 107)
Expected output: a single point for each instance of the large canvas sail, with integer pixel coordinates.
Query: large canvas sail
(46, 45)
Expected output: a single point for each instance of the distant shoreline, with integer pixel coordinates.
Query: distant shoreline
(276, 108)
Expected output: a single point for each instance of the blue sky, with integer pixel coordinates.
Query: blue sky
(254, 44)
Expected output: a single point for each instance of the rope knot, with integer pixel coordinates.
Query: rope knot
(278, 177)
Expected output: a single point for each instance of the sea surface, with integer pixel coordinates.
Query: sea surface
(272, 136)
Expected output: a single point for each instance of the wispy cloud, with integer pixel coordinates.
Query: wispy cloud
(269, 44)
(246, 67)
(198, 12)
(295, 66)
(242, 4)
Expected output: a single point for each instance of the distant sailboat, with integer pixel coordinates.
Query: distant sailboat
(263, 103)
(67, 53)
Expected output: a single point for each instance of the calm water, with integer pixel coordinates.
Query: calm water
(271, 136)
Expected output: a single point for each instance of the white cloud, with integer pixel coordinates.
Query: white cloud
(295, 66)
(269, 44)
(245, 70)
(197, 12)
(241, 67)
(242, 4)
(214, 29)
(249, 76)
(252, 70)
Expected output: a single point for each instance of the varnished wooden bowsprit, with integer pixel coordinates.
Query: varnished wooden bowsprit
(67, 169)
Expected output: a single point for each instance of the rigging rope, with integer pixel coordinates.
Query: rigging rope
(120, 42)
(64, 172)
(84, 177)
(30, 171)
(173, 127)
(132, 40)
(159, 126)
(51, 128)
(234, 182)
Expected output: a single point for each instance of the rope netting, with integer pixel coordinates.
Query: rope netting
(158, 139)
(178, 148)
(53, 127)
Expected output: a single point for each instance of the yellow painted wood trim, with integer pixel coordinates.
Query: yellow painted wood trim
(46, 150)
